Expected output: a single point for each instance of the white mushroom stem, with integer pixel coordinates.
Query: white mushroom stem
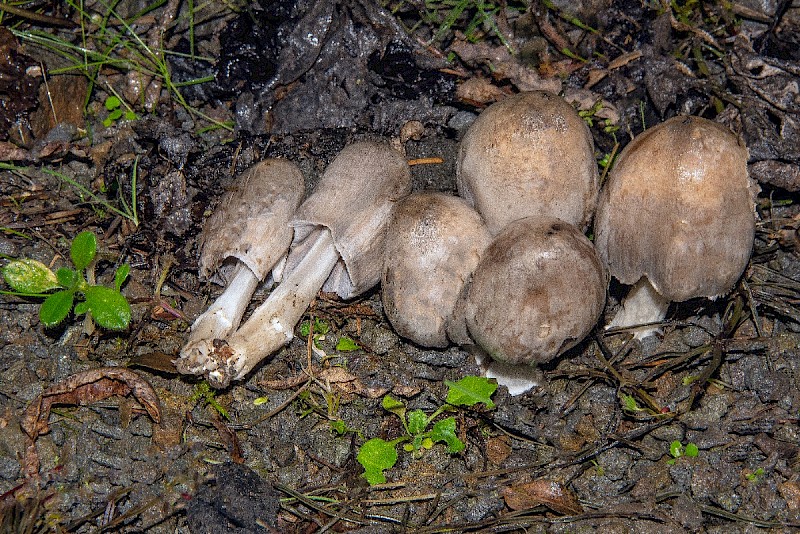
(272, 324)
(517, 378)
(225, 314)
(643, 305)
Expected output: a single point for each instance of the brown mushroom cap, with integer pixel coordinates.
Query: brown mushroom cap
(251, 223)
(354, 200)
(433, 243)
(537, 292)
(529, 154)
(678, 210)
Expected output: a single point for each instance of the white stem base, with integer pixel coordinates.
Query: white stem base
(225, 314)
(272, 324)
(643, 305)
(518, 379)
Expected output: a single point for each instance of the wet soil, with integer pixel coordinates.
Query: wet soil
(591, 449)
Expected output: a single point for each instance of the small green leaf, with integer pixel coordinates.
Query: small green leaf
(130, 116)
(377, 455)
(417, 422)
(471, 390)
(676, 449)
(67, 277)
(629, 403)
(84, 248)
(121, 275)
(107, 122)
(320, 327)
(260, 400)
(112, 102)
(338, 426)
(29, 276)
(395, 406)
(109, 307)
(56, 307)
(445, 430)
(346, 344)
(115, 115)
(691, 450)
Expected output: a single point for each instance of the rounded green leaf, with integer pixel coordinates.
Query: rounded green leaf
(55, 308)
(84, 248)
(375, 456)
(112, 102)
(67, 277)
(29, 276)
(109, 307)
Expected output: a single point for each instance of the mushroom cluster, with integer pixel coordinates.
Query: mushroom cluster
(504, 269)
(337, 242)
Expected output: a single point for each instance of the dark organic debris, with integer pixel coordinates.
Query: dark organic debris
(236, 501)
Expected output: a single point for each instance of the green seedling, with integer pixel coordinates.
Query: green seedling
(113, 105)
(755, 476)
(320, 329)
(207, 395)
(340, 428)
(421, 432)
(346, 344)
(60, 289)
(676, 450)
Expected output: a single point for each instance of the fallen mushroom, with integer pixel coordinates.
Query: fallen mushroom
(246, 236)
(537, 292)
(338, 237)
(529, 154)
(676, 218)
(433, 243)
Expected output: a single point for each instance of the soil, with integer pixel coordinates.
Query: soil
(593, 448)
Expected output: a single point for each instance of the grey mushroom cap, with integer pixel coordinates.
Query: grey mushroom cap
(433, 243)
(538, 291)
(678, 210)
(355, 210)
(251, 222)
(520, 157)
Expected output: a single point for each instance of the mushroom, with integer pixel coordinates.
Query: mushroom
(433, 243)
(246, 236)
(338, 237)
(537, 292)
(676, 218)
(520, 157)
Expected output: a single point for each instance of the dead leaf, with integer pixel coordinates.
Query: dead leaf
(11, 152)
(479, 92)
(155, 361)
(85, 388)
(229, 438)
(547, 492)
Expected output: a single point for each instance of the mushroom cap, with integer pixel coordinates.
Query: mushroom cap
(538, 291)
(251, 223)
(529, 154)
(678, 209)
(354, 199)
(433, 243)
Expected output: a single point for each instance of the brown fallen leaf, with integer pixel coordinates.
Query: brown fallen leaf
(547, 492)
(85, 388)
(230, 439)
